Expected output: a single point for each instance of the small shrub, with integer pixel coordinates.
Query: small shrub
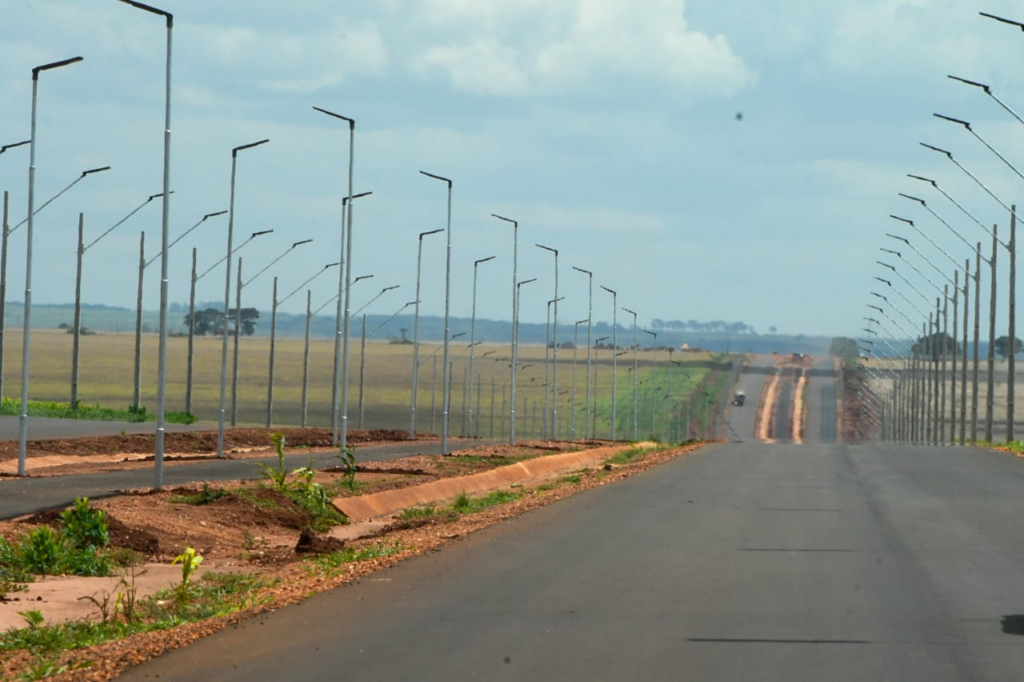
(278, 476)
(204, 496)
(41, 550)
(85, 526)
(137, 414)
(423, 512)
(348, 461)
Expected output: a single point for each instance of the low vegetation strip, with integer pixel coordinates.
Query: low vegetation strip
(531, 471)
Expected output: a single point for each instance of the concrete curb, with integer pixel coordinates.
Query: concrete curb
(540, 469)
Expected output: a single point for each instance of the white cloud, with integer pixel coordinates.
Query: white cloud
(614, 37)
(573, 46)
(482, 67)
(291, 61)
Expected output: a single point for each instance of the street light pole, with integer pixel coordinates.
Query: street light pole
(416, 334)
(238, 322)
(636, 385)
(654, 380)
(515, 316)
(590, 319)
(990, 398)
(26, 324)
(615, 354)
(341, 372)
(340, 333)
(305, 359)
(227, 299)
(554, 369)
(161, 391)
(446, 375)
(273, 335)
(515, 335)
(472, 340)
(192, 312)
(3, 254)
(575, 348)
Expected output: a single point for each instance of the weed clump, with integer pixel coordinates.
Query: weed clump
(77, 548)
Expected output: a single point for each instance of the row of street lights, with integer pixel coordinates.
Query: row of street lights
(915, 405)
(340, 392)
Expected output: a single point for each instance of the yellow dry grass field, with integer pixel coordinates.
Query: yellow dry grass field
(107, 369)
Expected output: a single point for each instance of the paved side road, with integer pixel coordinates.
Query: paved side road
(20, 496)
(740, 562)
(47, 428)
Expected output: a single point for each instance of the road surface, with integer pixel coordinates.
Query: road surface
(48, 428)
(744, 561)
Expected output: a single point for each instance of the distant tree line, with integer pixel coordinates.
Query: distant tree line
(657, 324)
(211, 321)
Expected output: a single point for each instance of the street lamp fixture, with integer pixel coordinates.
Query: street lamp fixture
(515, 335)
(5, 147)
(515, 341)
(554, 376)
(446, 371)
(227, 298)
(615, 344)
(472, 337)
(27, 337)
(239, 286)
(416, 333)
(636, 386)
(590, 318)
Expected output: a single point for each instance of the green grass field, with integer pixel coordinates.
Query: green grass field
(107, 360)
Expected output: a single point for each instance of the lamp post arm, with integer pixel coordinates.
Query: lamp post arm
(233, 252)
(393, 316)
(57, 195)
(317, 274)
(185, 234)
(925, 235)
(269, 265)
(120, 222)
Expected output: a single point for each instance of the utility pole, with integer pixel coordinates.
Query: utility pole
(990, 398)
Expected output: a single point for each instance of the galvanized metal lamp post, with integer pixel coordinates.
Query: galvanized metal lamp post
(416, 335)
(273, 336)
(227, 299)
(26, 333)
(515, 335)
(238, 320)
(515, 310)
(615, 355)
(654, 382)
(472, 339)
(554, 335)
(590, 319)
(636, 385)
(446, 372)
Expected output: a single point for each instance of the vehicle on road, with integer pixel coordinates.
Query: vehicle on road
(738, 398)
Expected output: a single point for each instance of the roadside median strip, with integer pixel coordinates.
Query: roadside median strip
(538, 470)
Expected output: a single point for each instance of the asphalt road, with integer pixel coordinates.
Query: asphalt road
(744, 561)
(46, 428)
(740, 420)
(821, 406)
(28, 495)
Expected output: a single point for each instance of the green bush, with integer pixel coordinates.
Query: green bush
(78, 548)
(85, 526)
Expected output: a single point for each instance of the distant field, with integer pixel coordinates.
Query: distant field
(106, 379)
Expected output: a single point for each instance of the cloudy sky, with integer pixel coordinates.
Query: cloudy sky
(609, 128)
